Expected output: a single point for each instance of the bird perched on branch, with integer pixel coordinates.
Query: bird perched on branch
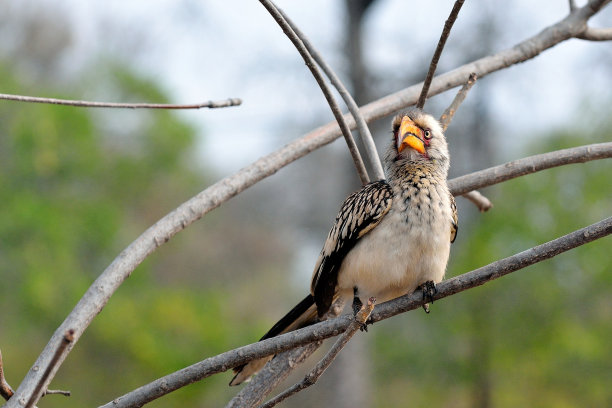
(390, 237)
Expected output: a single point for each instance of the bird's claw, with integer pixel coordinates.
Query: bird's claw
(429, 290)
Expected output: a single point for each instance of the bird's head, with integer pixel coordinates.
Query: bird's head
(418, 137)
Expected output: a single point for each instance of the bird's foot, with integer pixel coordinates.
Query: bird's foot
(357, 306)
(363, 314)
(429, 290)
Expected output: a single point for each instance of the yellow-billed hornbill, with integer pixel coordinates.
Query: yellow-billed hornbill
(390, 237)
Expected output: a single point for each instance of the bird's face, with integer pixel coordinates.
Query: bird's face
(418, 137)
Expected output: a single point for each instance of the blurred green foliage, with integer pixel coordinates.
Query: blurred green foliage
(539, 337)
(76, 186)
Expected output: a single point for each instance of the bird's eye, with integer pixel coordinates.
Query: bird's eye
(427, 134)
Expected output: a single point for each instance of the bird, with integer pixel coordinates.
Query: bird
(390, 238)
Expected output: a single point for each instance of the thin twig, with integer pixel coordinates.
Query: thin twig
(494, 175)
(37, 393)
(5, 389)
(449, 113)
(479, 200)
(482, 202)
(98, 294)
(436, 57)
(311, 64)
(362, 126)
(312, 377)
(57, 392)
(333, 327)
(89, 104)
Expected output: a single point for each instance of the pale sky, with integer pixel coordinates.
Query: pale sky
(201, 50)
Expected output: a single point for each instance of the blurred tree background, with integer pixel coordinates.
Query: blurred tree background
(78, 185)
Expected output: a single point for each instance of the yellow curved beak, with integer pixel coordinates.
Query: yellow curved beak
(411, 136)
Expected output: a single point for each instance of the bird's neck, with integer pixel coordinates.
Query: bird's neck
(406, 171)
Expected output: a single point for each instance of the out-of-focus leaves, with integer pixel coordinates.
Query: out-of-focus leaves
(76, 186)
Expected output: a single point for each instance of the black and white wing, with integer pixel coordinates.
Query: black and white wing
(360, 213)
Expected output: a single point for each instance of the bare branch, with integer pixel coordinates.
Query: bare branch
(449, 113)
(312, 377)
(480, 201)
(572, 5)
(107, 283)
(596, 34)
(362, 126)
(273, 373)
(89, 104)
(311, 64)
(5, 389)
(494, 175)
(333, 327)
(37, 393)
(57, 392)
(448, 25)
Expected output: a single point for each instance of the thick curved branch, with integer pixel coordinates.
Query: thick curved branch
(90, 104)
(105, 285)
(333, 327)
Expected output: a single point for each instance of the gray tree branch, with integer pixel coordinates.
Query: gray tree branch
(111, 278)
(494, 175)
(481, 202)
(448, 25)
(311, 64)
(311, 378)
(90, 104)
(362, 126)
(596, 34)
(334, 327)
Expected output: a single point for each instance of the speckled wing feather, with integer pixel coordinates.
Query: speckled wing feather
(360, 212)
(454, 220)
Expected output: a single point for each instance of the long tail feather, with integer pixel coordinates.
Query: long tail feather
(303, 314)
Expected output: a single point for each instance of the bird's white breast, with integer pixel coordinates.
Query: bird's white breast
(409, 247)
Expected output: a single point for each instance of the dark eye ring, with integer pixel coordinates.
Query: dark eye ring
(427, 134)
